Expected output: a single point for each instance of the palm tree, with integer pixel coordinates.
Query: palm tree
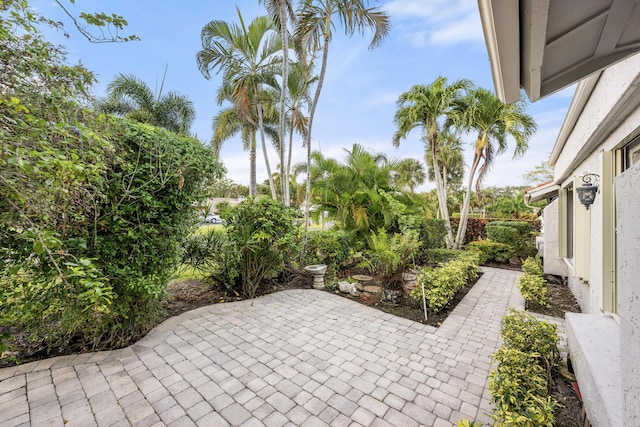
(127, 95)
(431, 108)
(493, 121)
(450, 158)
(314, 32)
(280, 10)
(410, 173)
(248, 57)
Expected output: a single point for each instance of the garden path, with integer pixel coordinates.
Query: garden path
(296, 358)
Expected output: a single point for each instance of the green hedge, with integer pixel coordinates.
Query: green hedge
(491, 251)
(519, 385)
(442, 283)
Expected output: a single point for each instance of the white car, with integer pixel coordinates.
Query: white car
(212, 219)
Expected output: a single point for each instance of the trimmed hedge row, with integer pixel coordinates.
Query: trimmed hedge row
(442, 283)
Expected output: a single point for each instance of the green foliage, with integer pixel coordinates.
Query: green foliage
(212, 253)
(533, 289)
(533, 285)
(489, 251)
(468, 423)
(440, 256)
(330, 247)
(263, 234)
(442, 283)
(518, 387)
(532, 266)
(381, 256)
(524, 332)
(517, 234)
(92, 209)
(502, 234)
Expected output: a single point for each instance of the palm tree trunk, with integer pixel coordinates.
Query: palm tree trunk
(287, 187)
(312, 112)
(264, 151)
(284, 34)
(464, 211)
(252, 165)
(442, 194)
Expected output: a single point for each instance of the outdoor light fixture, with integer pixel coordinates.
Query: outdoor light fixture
(587, 192)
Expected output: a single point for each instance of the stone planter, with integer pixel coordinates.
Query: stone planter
(409, 282)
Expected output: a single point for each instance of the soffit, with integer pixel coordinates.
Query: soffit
(560, 41)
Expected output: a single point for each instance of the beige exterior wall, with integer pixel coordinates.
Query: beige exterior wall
(628, 210)
(553, 262)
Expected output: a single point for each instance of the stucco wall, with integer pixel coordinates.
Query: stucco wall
(628, 241)
(553, 263)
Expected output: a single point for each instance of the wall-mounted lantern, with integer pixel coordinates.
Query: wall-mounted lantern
(587, 191)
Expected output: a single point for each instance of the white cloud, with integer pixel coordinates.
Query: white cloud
(447, 22)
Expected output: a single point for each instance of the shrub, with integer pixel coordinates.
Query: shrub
(442, 283)
(524, 332)
(503, 234)
(329, 247)
(212, 254)
(433, 233)
(517, 234)
(264, 235)
(518, 387)
(533, 289)
(491, 251)
(532, 284)
(440, 256)
(532, 266)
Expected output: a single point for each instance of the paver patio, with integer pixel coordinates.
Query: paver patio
(295, 358)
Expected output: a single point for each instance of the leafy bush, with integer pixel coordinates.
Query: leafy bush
(264, 235)
(517, 234)
(440, 256)
(93, 209)
(533, 289)
(329, 247)
(503, 234)
(212, 254)
(433, 233)
(532, 284)
(524, 332)
(532, 266)
(489, 251)
(518, 387)
(442, 283)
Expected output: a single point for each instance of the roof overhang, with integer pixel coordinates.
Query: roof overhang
(542, 191)
(543, 46)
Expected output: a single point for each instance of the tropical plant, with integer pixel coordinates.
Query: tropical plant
(129, 96)
(360, 195)
(449, 152)
(409, 173)
(432, 109)
(494, 122)
(263, 234)
(247, 56)
(313, 34)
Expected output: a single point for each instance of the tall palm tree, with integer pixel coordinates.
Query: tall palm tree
(431, 107)
(127, 95)
(410, 173)
(494, 122)
(248, 57)
(280, 11)
(314, 31)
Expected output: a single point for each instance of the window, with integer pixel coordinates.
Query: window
(631, 153)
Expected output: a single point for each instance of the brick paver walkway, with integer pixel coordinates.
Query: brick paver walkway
(296, 358)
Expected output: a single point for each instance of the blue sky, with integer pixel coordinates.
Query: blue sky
(428, 38)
